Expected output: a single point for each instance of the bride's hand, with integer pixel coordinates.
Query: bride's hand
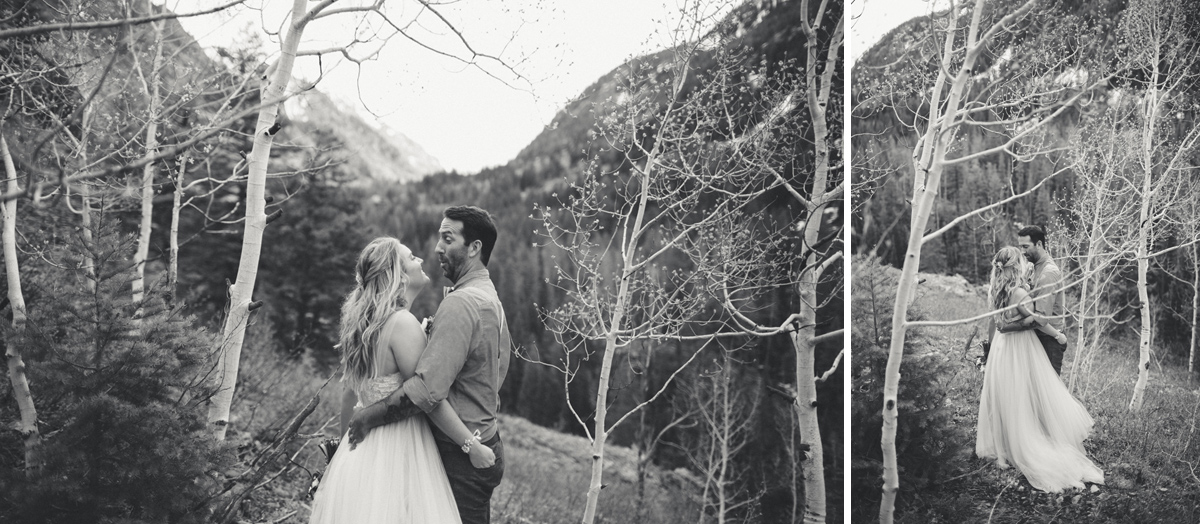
(482, 456)
(359, 426)
(1061, 338)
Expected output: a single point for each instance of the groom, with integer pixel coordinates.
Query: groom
(465, 361)
(1047, 282)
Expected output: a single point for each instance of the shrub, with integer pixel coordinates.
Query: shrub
(927, 437)
(121, 404)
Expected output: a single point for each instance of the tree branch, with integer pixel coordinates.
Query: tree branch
(104, 24)
(984, 209)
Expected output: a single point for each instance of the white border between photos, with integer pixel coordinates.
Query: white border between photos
(847, 154)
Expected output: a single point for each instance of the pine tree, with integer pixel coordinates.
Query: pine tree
(124, 415)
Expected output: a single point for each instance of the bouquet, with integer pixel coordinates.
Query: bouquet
(328, 447)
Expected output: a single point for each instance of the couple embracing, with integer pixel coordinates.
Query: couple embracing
(1027, 416)
(391, 466)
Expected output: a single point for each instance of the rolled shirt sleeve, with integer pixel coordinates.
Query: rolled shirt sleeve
(1048, 291)
(444, 355)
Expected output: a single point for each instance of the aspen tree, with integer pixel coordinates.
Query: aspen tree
(954, 100)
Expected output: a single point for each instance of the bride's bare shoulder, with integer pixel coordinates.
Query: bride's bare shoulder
(403, 318)
(406, 340)
(1019, 293)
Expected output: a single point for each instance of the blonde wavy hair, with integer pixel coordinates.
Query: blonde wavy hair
(1007, 275)
(381, 284)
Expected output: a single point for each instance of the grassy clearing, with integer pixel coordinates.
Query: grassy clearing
(546, 473)
(1151, 459)
(547, 477)
(545, 482)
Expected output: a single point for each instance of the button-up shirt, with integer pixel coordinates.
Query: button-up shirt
(1047, 280)
(467, 356)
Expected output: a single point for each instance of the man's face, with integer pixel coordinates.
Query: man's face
(451, 248)
(1027, 248)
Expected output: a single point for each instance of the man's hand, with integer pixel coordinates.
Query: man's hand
(394, 408)
(482, 456)
(1020, 325)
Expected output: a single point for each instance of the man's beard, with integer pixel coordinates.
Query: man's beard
(452, 267)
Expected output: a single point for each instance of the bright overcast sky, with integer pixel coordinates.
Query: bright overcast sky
(872, 19)
(461, 116)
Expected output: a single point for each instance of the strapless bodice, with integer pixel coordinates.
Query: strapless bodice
(375, 389)
(1011, 315)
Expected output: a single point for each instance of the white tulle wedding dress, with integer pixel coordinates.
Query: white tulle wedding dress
(395, 476)
(1028, 418)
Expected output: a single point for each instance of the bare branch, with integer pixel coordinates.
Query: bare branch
(105, 24)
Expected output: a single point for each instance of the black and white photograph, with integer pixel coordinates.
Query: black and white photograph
(1025, 261)
(441, 262)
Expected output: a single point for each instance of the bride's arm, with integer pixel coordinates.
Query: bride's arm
(1027, 319)
(446, 419)
(406, 343)
(1039, 323)
(349, 399)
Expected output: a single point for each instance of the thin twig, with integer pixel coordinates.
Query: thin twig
(994, 504)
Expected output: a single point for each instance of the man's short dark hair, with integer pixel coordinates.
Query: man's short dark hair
(477, 225)
(1035, 233)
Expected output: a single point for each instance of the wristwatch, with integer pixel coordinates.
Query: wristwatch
(466, 447)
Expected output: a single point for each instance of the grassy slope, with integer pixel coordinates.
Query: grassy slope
(1150, 459)
(545, 481)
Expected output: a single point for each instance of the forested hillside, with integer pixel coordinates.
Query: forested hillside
(884, 94)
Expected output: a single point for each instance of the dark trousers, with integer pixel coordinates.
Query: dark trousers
(1054, 350)
(472, 487)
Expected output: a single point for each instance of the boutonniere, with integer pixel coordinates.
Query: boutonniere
(427, 326)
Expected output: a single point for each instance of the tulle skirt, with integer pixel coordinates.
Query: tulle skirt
(1029, 419)
(395, 476)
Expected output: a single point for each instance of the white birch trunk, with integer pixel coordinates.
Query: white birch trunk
(928, 157)
(85, 219)
(1084, 299)
(813, 467)
(708, 478)
(85, 207)
(628, 268)
(1144, 235)
(600, 434)
(908, 276)
(230, 349)
(725, 430)
(927, 173)
(802, 338)
(1195, 307)
(27, 426)
(151, 88)
(1143, 266)
(173, 234)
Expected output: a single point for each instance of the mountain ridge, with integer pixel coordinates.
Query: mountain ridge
(376, 152)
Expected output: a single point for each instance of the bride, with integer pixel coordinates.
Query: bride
(1027, 417)
(395, 475)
